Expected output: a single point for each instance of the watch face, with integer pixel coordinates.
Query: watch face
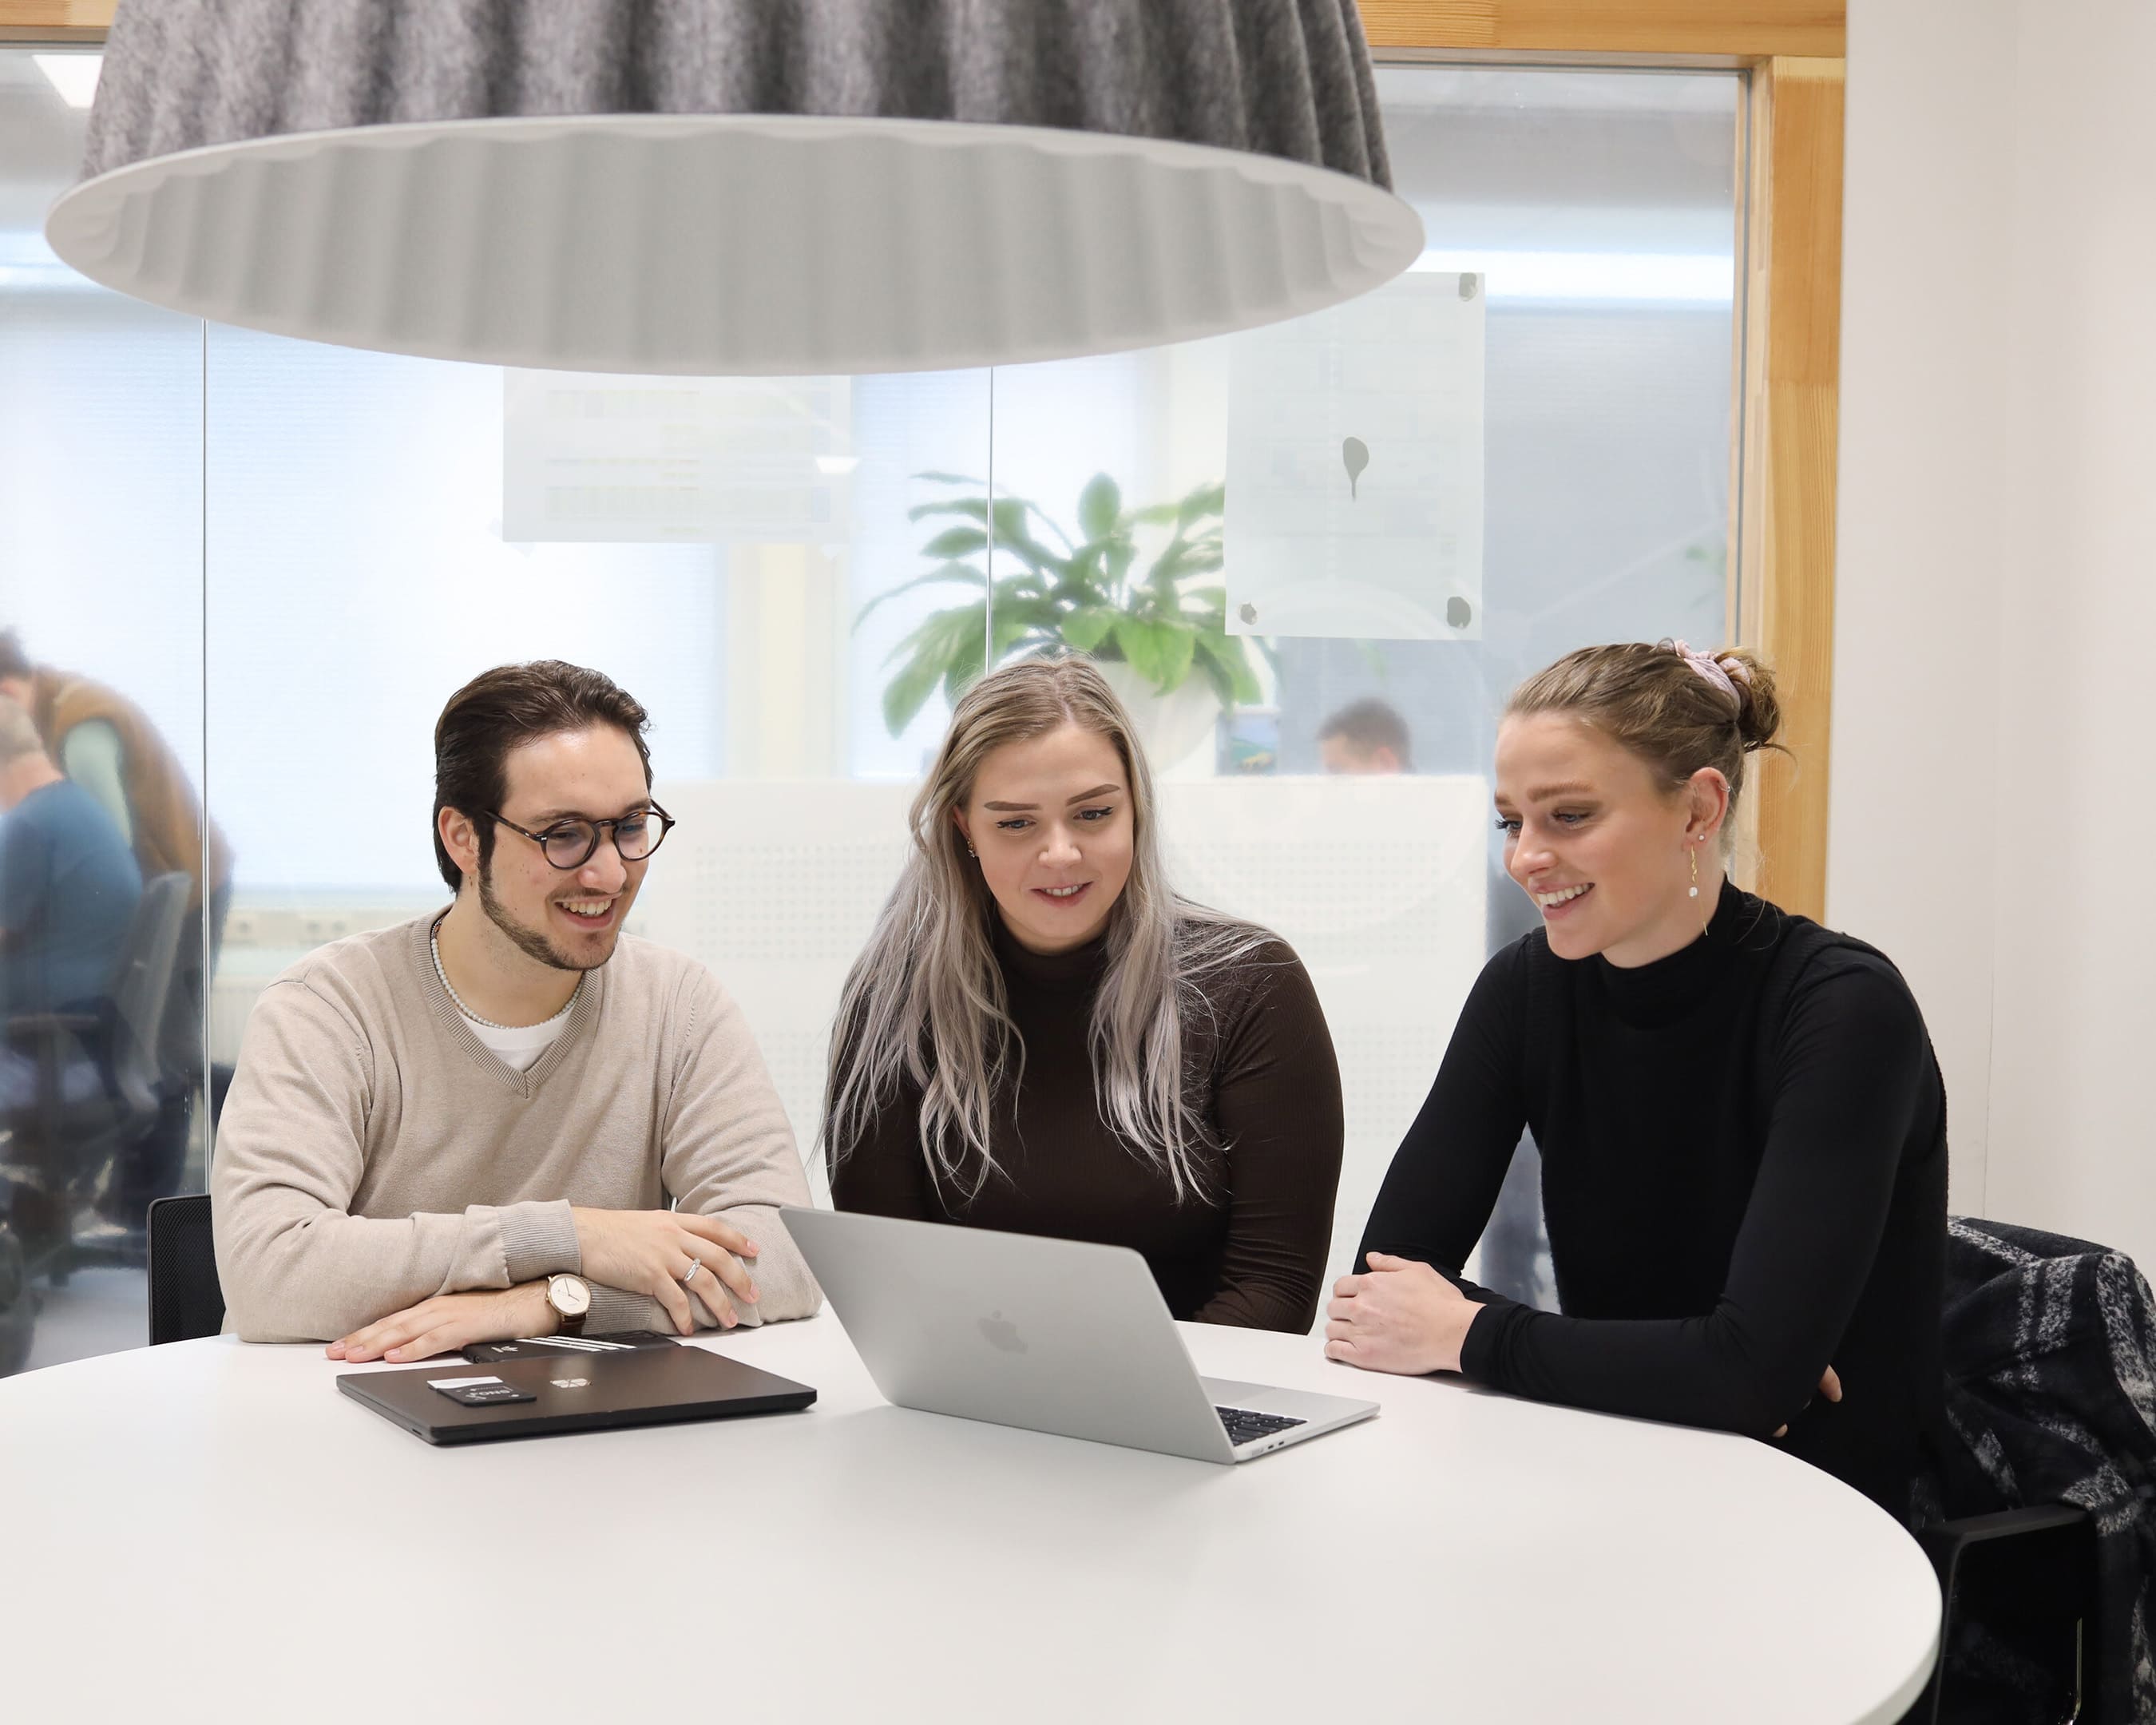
(569, 1295)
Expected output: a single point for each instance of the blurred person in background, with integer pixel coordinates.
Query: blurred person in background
(1366, 735)
(106, 745)
(68, 891)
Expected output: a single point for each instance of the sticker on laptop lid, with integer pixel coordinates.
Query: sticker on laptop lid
(479, 1392)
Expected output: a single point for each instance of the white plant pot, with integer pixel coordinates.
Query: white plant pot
(1172, 726)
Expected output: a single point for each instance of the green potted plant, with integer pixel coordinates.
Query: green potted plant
(1158, 629)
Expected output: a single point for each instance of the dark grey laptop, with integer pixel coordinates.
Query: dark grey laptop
(452, 1402)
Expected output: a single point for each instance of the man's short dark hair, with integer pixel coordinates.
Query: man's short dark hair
(14, 662)
(503, 709)
(1370, 724)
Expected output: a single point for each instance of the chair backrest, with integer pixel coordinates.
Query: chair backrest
(2050, 1347)
(186, 1298)
(142, 986)
(19, 1303)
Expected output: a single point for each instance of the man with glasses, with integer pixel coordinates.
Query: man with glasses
(469, 1129)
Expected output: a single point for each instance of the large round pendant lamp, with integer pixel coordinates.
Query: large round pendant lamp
(737, 186)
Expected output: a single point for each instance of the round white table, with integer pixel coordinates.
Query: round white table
(210, 1531)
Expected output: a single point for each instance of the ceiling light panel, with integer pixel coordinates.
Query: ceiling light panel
(715, 187)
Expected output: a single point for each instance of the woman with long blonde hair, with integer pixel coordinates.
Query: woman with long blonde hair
(1041, 1037)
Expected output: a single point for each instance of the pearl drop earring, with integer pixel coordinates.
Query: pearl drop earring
(1695, 875)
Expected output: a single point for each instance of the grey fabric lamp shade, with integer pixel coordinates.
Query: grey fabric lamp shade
(707, 187)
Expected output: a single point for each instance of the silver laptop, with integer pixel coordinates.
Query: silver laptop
(1053, 1335)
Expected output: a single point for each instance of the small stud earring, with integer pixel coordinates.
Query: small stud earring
(1694, 874)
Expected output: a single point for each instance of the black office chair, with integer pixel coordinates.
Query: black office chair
(62, 1147)
(2048, 1342)
(186, 1298)
(2028, 1576)
(18, 1305)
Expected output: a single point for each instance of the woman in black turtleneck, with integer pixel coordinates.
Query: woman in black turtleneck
(1742, 1125)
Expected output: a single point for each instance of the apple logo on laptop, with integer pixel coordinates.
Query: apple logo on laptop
(1002, 1333)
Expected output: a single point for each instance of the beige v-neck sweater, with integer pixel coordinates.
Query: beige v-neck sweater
(373, 1152)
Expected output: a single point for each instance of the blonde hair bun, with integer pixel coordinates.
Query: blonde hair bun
(1759, 709)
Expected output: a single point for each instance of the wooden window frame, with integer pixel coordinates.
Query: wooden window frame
(54, 20)
(1788, 321)
(1788, 334)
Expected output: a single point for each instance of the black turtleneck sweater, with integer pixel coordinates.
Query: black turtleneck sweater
(1258, 1067)
(1744, 1173)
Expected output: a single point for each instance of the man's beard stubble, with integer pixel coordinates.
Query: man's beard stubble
(531, 942)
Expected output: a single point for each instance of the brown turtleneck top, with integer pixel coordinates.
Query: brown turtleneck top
(1259, 1069)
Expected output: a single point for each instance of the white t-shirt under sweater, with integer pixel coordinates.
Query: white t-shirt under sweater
(518, 1046)
(375, 1151)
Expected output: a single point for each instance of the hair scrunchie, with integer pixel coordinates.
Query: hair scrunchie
(1724, 677)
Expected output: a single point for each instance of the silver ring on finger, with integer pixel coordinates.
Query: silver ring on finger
(690, 1275)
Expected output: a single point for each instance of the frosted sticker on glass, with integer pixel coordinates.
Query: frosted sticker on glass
(1355, 468)
(1378, 884)
(634, 458)
(775, 885)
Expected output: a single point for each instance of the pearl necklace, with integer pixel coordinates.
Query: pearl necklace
(434, 942)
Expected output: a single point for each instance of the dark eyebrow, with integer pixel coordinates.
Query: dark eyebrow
(1098, 790)
(551, 815)
(1571, 787)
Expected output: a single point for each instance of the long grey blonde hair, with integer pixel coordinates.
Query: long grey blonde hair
(925, 1002)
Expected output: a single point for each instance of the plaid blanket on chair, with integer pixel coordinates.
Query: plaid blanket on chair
(2051, 1355)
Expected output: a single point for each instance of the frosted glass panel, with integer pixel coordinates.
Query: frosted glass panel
(1355, 459)
(368, 556)
(111, 905)
(358, 575)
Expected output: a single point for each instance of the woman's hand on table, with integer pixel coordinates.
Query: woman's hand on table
(450, 1321)
(1829, 1387)
(1401, 1316)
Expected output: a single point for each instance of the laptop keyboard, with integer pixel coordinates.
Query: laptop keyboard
(1245, 1424)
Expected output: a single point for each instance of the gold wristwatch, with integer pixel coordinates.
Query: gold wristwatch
(571, 1297)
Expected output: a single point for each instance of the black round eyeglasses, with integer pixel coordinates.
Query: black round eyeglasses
(570, 843)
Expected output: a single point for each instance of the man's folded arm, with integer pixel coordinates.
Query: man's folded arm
(616, 1309)
(729, 1153)
(296, 1266)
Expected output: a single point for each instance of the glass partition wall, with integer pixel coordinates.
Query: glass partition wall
(108, 892)
(1315, 559)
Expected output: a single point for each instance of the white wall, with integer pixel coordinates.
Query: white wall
(1997, 579)
(2072, 1060)
(1925, 293)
